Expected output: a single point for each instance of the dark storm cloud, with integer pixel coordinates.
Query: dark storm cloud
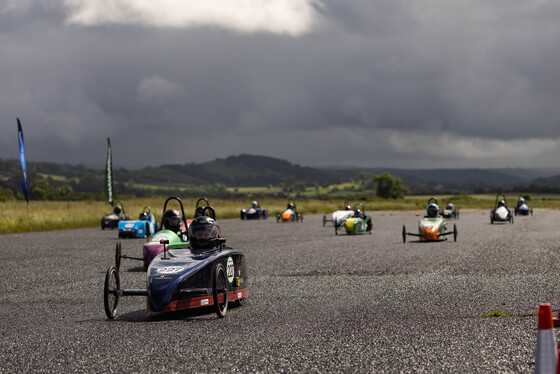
(372, 83)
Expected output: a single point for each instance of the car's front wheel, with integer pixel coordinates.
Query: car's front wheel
(111, 292)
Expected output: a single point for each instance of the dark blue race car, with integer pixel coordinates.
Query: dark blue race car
(254, 212)
(522, 208)
(204, 274)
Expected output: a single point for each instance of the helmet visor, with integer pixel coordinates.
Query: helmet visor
(174, 221)
(204, 232)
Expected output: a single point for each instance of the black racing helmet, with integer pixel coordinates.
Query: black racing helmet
(291, 206)
(117, 210)
(144, 217)
(172, 220)
(203, 233)
(199, 211)
(502, 203)
(433, 210)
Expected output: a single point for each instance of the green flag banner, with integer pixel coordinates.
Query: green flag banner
(109, 174)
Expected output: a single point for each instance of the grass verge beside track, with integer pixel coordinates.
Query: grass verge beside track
(57, 215)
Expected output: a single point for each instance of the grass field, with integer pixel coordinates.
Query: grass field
(56, 215)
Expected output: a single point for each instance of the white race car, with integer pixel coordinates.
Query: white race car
(501, 213)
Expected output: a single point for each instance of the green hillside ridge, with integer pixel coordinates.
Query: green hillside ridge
(234, 175)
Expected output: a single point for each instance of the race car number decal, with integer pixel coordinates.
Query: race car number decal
(230, 270)
(129, 225)
(170, 270)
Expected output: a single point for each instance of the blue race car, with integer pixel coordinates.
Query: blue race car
(254, 212)
(145, 226)
(522, 208)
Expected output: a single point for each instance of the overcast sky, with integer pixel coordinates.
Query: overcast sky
(397, 83)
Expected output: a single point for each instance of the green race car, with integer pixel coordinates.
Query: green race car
(357, 223)
(433, 226)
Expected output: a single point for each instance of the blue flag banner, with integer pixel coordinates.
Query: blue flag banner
(22, 160)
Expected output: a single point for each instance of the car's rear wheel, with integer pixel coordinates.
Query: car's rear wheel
(220, 291)
(111, 292)
(324, 220)
(404, 234)
(454, 232)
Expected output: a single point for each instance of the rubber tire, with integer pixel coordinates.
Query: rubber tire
(118, 253)
(324, 220)
(220, 280)
(455, 232)
(111, 280)
(301, 217)
(404, 233)
(277, 217)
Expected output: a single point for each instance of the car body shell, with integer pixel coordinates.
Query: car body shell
(183, 278)
(137, 228)
(501, 214)
(338, 217)
(154, 247)
(112, 221)
(523, 209)
(450, 212)
(254, 213)
(289, 215)
(431, 228)
(356, 224)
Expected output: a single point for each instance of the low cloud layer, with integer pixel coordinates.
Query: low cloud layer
(370, 83)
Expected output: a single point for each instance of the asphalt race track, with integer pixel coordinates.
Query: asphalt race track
(318, 302)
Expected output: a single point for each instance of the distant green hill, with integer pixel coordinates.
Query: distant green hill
(255, 171)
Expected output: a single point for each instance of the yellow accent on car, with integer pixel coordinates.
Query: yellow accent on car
(350, 225)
